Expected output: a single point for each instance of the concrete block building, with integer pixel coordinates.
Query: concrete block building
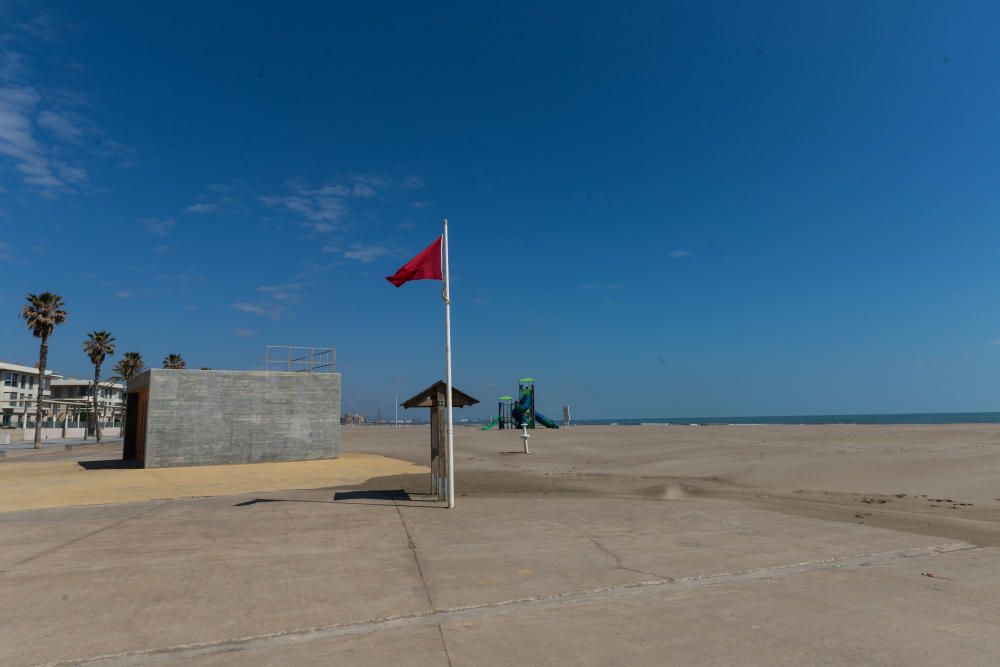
(208, 417)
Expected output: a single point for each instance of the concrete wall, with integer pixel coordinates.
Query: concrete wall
(215, 417)
(50, 433)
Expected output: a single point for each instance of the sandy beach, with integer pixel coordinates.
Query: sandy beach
(928, 479)
(753, 545)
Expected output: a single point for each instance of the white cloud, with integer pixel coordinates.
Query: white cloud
(412, 183)
(221, 198)
(5, 253)
(287, 293)
(368, 179)
(679, 254)
(39, 27)
(65, 126)
(995, 341)
(366, 252)
(161, 249)
(124, 294)
(16, 137)
(123, 153)
(362, 190)
(315, 208)
(274, 300)
(202, 208)
(158, 226)
(190, 279)
(279, 297)
(184, 280)
(12, 66)
(40, 129)
(69, 172)
(324, 208)
(248, 308)
(270, 311)
(244, 332)
(356, 190)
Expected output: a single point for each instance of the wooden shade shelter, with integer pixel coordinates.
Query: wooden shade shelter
(435, 398)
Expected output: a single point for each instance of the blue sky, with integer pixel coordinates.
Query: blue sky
(659, 209)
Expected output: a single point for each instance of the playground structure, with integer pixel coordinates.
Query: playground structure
(518, 412)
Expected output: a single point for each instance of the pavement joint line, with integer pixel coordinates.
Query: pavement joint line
(438, 617)
(79, 538)
(420, 571)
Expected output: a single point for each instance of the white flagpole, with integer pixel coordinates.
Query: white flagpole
(447, 355)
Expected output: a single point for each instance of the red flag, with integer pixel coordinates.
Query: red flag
(425, 266)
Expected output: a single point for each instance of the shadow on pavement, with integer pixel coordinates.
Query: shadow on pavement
(255, 501)
(358, 497)
(108, 464)
(367, 494)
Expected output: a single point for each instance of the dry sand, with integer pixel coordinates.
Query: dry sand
(42, 481)
(941, 480)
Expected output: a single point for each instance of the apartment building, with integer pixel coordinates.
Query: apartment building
(74, 396)
(18, 392)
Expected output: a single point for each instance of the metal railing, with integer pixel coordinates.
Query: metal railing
(295, 359)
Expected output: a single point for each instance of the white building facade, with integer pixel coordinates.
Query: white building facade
(73, 397)
(18, 392)
(67, 404)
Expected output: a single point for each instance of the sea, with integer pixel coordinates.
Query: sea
(900, 418)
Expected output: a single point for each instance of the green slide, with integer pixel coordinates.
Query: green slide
(545, 421)
(496, 420)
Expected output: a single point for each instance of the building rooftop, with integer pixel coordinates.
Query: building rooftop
(75, 382)
(428, 397)
(20, 368)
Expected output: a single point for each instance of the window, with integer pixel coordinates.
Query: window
(9, 380)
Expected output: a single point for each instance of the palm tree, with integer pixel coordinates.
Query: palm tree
(175, 361)
(128, 367)
(42, 313)
(99, 344)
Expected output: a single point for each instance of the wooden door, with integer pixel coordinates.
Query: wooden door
(140, 435)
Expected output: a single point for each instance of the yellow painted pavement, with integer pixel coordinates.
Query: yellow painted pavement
(36, 485)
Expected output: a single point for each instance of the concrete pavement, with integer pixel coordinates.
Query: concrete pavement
(300, 577)
(594, 551)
